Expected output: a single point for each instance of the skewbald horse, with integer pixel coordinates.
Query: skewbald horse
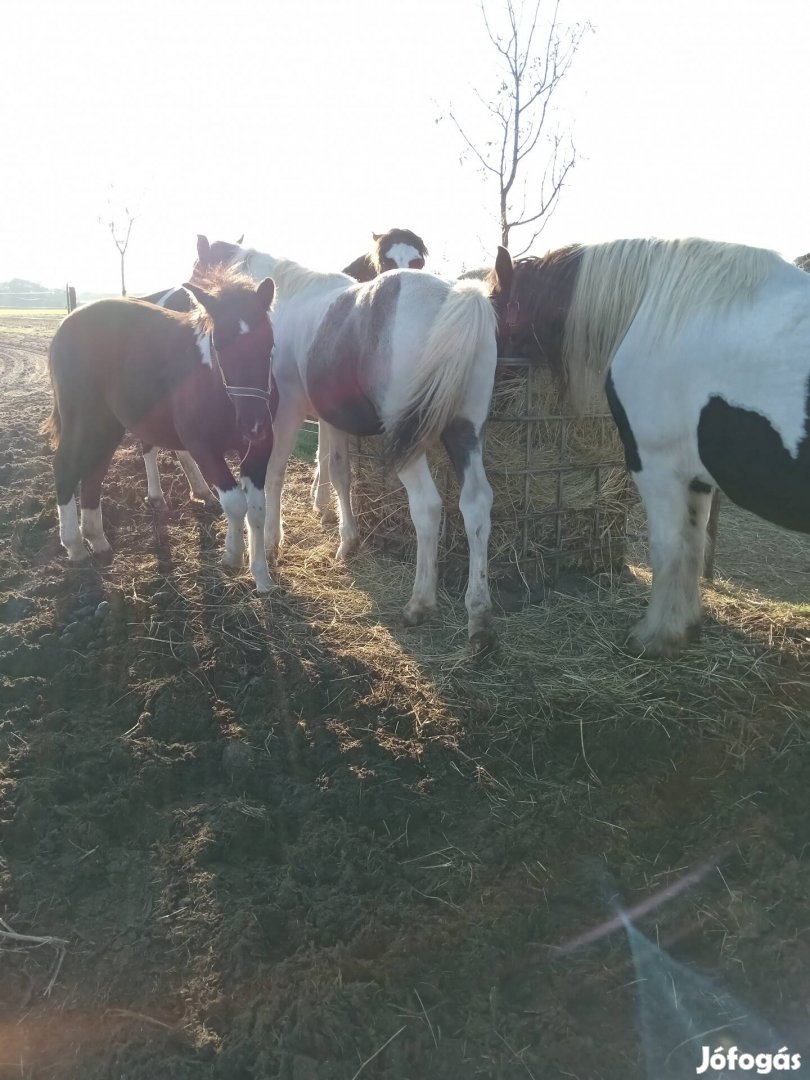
(703, 351)
(407, 355)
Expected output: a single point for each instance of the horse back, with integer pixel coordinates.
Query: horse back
(129, 358)
(369, 337)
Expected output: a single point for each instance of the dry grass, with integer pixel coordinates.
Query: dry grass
(561, 662)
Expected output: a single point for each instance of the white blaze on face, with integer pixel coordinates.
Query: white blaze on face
(204, 345)
(401, 254)
(243, 327)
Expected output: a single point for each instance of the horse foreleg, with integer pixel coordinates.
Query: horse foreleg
(321, 483)
(425, 504)
(475, 502)
(254, 473)
(286, 425)
(231, 497)
(199, 489)
(340, 472)
(154, 491)
(676, 520)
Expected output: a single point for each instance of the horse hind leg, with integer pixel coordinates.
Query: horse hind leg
(98, 455)
(67, 470)
(340, 474)
(463, 446)
(425, 505)
(321, 489)
(677, 515)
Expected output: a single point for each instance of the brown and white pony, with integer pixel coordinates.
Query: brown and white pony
(197, 381)
(409, 356)
(703, 352)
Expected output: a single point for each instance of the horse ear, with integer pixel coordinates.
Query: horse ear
(504, 270)
(375, 236)
(199, 295)
(239, 241)
(203, 250)
(265, 292)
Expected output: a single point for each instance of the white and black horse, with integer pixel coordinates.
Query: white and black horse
(197, 381)
(703, 351)
(406, 355)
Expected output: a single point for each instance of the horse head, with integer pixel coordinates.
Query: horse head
(210, 256)
(398, 249)
(242, 336)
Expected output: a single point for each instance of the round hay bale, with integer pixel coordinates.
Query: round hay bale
(561, 492)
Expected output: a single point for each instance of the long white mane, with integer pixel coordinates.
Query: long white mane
(673, 278)
(291, 279)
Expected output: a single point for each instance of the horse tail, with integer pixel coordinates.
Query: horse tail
(52, 427)
(464, 325)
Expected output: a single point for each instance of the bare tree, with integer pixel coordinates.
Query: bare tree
(120, 233)
(533, 60)
(119, 219)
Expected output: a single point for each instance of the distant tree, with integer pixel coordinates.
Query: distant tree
(119, 219)
(533, 58)
(121, 232)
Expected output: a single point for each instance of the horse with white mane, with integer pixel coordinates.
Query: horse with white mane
(703, 351)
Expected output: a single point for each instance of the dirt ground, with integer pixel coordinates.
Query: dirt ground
(289, 838)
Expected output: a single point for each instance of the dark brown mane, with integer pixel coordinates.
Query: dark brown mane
(543, 289)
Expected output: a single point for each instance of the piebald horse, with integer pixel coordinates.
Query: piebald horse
(196, 380)
(703, 351)
(406, 355)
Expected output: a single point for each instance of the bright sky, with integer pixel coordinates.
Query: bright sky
(306, 124)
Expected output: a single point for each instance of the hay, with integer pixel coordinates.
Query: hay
(561, 492)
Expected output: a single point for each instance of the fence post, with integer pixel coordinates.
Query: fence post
(70, 293)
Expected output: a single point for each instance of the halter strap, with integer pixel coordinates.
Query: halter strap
(238, 391)
(246, 391)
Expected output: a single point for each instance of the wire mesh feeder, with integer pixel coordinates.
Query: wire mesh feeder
(561, 493)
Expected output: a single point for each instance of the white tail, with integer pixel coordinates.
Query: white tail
(466, 320)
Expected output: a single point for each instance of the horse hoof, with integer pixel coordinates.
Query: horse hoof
(157, 503)
(80, 558)
(656, 647)
(104, 556)
(346, 549)
(483, 642)
(416, 614)
(232, 562)
(328, 516)
(263, 588)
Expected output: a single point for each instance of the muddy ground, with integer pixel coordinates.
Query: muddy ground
(286, 837)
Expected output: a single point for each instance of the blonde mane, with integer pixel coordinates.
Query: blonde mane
(673, 278)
